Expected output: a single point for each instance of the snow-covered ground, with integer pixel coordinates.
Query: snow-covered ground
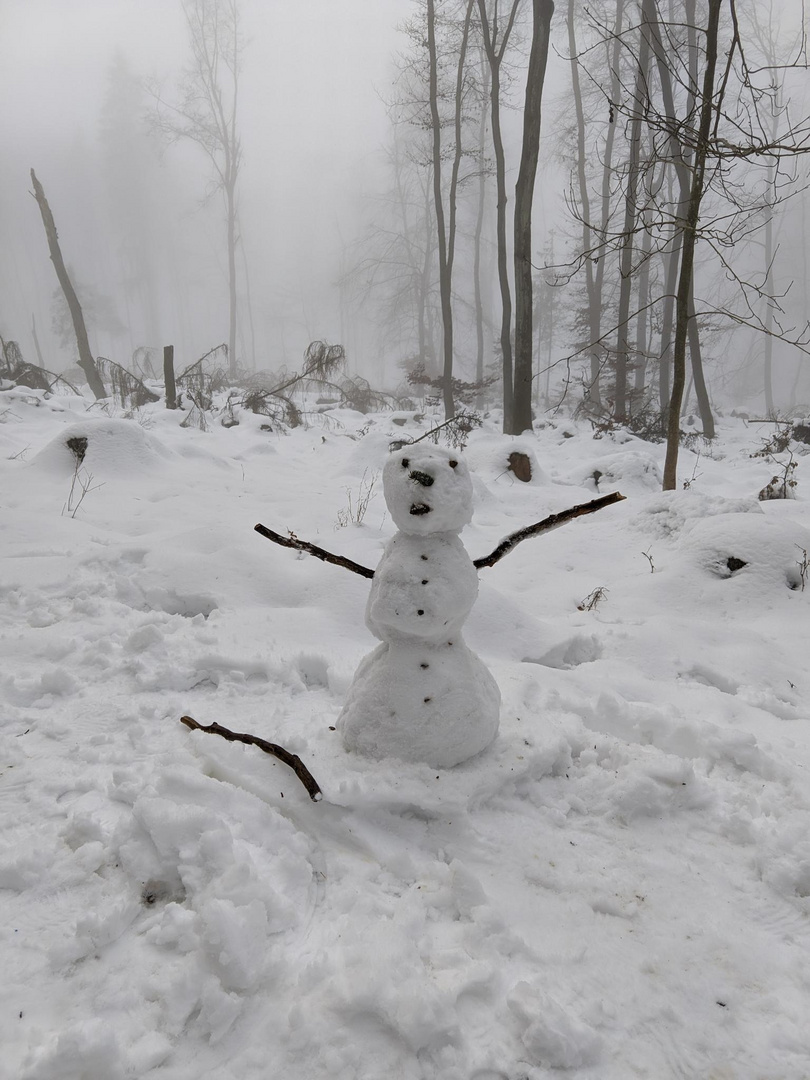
(619, 887)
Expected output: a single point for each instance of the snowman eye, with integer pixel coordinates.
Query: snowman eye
(406, 463)
(452, 464)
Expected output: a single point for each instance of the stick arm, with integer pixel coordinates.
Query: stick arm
(553, 521)
(292, 541)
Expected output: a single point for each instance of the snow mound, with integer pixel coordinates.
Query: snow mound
(633, 470)
(489, 456)
(749, 547)
(676, 512)
(104, 448)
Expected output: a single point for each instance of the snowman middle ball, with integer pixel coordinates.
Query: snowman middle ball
(422, 695)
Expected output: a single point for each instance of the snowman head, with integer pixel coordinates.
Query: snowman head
(427, 489)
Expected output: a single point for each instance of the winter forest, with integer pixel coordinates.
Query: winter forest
(414, 396)
(652, 252)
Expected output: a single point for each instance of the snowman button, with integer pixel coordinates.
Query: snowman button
(423, 666)
(424, 557)
(420, 612)
(424, 581)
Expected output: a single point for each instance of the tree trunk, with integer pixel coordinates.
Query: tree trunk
(495, 53)
(249, 300)
(594, 312)
(651, 27)
(36, 342)
(628, 232)
(542, 11)
(668, 318)
(86, 362)
(607, 169)
(682, 162)
(696, 359)
(168, 377)
(479, 227)
(550, 323)
(457, 143)
(689, 228)
(232, 240)
(642, 345)
(800, 361)
(769, 284)
(444, 266)
(503, 271)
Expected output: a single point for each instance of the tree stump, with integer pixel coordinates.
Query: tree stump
(520, 465)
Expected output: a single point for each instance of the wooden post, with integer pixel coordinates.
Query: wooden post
(86, 361)
(168, 376)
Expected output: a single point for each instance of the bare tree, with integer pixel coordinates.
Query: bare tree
(631, 220)
(707, 117)
(683, 298)
(128, 167)
(483, 172)
(496, 39)
(86, 361)
(446, 235)
(206, 114)
(542, 11)
(391, 267)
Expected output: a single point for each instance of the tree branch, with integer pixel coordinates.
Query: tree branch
(293, 760)
(292, 541)
(553, 521)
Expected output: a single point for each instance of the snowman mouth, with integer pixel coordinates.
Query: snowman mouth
(417, 509)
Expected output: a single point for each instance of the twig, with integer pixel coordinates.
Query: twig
(551, 522)
(438, 428)
(292, 541)
(293, 760)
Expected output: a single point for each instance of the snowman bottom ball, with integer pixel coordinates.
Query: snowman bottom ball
(435, 704)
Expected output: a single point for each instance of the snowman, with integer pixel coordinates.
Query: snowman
(422, 695)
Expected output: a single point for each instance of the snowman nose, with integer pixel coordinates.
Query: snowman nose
(423, 478)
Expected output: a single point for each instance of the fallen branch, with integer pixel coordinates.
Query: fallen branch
(292, 541)
(553, 521)
(293, 760)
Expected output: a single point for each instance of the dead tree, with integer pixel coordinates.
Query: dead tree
(86, 361)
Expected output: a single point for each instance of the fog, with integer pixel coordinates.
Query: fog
(143, 230)
(312, 118)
